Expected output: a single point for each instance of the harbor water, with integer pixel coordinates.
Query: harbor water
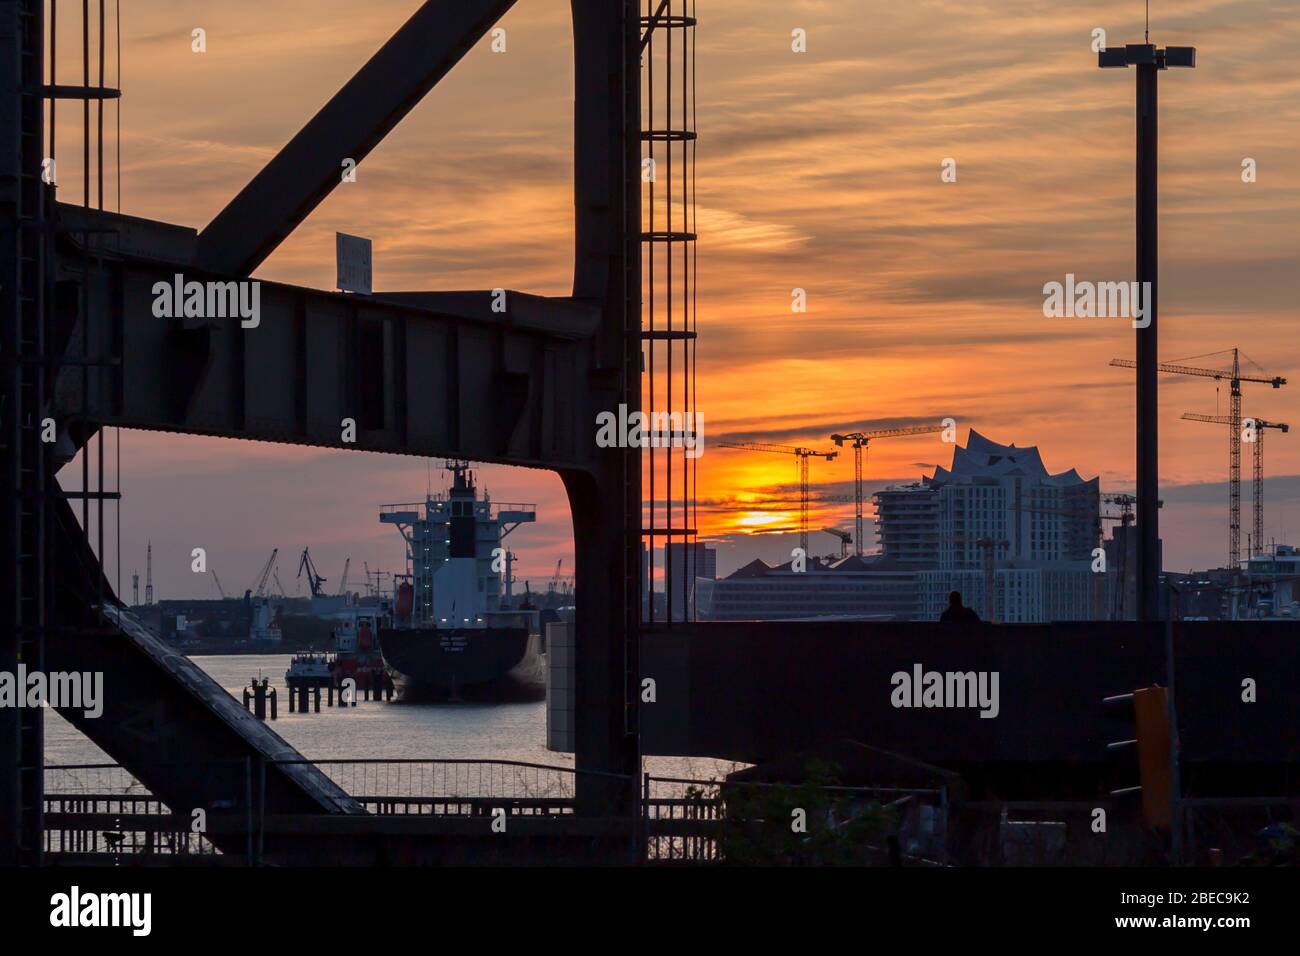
(383, 730)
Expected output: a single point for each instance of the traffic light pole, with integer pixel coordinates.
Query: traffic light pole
(1175, 770)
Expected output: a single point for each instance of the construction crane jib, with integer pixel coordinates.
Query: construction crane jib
(802, 454)
(860, 441)
(1251, 432)
(1235, 379)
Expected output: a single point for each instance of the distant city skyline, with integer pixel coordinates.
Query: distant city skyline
(818, 171)
(203, 512)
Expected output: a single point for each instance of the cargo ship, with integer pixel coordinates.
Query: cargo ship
(454, 633)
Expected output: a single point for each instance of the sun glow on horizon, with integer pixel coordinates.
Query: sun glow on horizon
(759, 522)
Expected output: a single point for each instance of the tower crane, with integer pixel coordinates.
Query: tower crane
(1258, 471)
(1126, 505)
(1235, 378)
(846, 539)
(1127, 513)
(993, 548)
(803, 454)
(860, 441)
(314, 581)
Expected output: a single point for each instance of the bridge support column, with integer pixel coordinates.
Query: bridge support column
(605, 704)
(25, 291)
(605, 500)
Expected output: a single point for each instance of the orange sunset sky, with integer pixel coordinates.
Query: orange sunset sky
(818, 170)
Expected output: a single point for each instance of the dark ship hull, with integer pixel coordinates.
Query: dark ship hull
(474, 663)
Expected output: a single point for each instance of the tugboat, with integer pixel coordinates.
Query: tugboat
(356, 647)
(309, 669)
(453, 632)
(356, 654)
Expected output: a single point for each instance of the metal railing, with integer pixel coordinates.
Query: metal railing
(450, 787)
(102, 813)
(494, 507)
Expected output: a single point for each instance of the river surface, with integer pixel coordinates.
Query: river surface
(379, 730)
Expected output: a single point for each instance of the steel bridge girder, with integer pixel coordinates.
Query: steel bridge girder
(428, 374)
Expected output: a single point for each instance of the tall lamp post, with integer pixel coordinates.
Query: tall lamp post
(1149, 60)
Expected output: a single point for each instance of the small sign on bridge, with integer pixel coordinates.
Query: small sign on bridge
(352, 254)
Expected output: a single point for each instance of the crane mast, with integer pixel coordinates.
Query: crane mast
(314, 581)
(1234, 377)
(802, 454)
(1257, 472)
(259, 586)
(859, 442)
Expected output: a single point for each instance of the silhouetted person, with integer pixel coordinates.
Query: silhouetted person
(958, 613)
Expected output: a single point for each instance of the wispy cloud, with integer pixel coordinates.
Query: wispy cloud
(818, 171)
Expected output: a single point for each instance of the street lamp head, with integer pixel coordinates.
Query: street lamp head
(1113, 57)
(1147, 54)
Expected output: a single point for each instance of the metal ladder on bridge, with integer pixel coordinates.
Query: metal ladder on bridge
(661, 325)
(668, 333)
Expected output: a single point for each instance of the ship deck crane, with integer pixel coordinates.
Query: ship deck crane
(314, 581)
(343, 581)
(1235, 378)
(803, 454)
(220, 589)
(1258, 470)
(860, 442)
(509, 579)
(375, 579)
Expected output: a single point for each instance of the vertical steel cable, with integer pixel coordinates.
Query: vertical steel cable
(650, 284)
(117, 105)
(694, 293)
(99, 109)
(668, 314)
(54, 63)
